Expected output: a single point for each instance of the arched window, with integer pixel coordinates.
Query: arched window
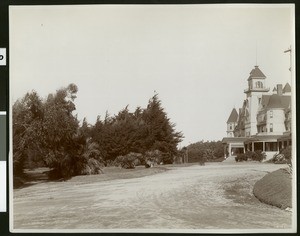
(259, 84)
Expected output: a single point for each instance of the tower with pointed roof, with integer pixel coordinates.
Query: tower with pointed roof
(256, 88)
(264, 123)
(287, 89)
(232, 123)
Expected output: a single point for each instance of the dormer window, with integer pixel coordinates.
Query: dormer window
(271, 114)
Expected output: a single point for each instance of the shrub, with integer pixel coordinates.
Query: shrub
(153, 157)
(283, 157)
(129, 161)
(241, 157)
(259, 156)
(253, 156)
(124, 162)
(109, 163)
(205, 151)
(278, 158)
(275, 189)
(287, 152)
(92, 167)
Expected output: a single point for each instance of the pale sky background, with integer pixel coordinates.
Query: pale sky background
(196, 57)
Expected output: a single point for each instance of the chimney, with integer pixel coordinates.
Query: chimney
(279, 89)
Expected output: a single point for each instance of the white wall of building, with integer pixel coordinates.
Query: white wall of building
(275, 120)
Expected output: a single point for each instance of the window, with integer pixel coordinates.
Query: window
(259, 101)
(230, 127)
(271, 114)
(259, 84)
(271, 127)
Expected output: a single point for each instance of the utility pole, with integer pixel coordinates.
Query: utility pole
(290, 51)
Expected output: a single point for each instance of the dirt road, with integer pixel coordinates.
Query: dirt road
(214, 196)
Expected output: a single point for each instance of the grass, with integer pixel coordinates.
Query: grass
(112, 173)
(275, 189)
(39, 175)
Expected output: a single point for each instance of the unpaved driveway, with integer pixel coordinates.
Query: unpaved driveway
(214, 196)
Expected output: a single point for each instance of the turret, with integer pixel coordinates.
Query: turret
(256, 88)
(232, 122)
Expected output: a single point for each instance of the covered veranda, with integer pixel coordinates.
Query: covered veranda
(264, 143)
(285, 140)
(233, 145)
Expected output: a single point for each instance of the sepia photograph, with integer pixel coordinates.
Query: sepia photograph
(152, 118)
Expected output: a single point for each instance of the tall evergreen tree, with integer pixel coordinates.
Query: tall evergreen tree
(161, 132)
(28, 114)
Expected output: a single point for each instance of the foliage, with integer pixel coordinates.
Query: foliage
(92, 167)
(140, 131)
(283, 157)
(287, 152)
(153, 157)
(275, 188)
(205, 151)
(249, 155)
(46, 133)
(27, 128)
(129, 161)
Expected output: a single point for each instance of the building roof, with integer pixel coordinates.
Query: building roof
(274, 89)
(256, 73)
(256, 138)
(263, 138)
(234, 139)
(286, 101)
(275, 101)
(265, 100)
(287, 88)
(233, 116)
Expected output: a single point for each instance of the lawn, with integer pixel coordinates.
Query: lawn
(39, 175)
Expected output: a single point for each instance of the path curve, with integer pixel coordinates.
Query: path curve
(214, 196)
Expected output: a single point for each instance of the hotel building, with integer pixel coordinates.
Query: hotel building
(264, 121)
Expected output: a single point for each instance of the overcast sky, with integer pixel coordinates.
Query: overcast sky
(196, 57)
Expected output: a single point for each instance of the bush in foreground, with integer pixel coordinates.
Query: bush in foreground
(275, 189)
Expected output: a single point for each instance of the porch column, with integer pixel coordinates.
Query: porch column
(229, 149)
(252, 146)
(264, 147)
